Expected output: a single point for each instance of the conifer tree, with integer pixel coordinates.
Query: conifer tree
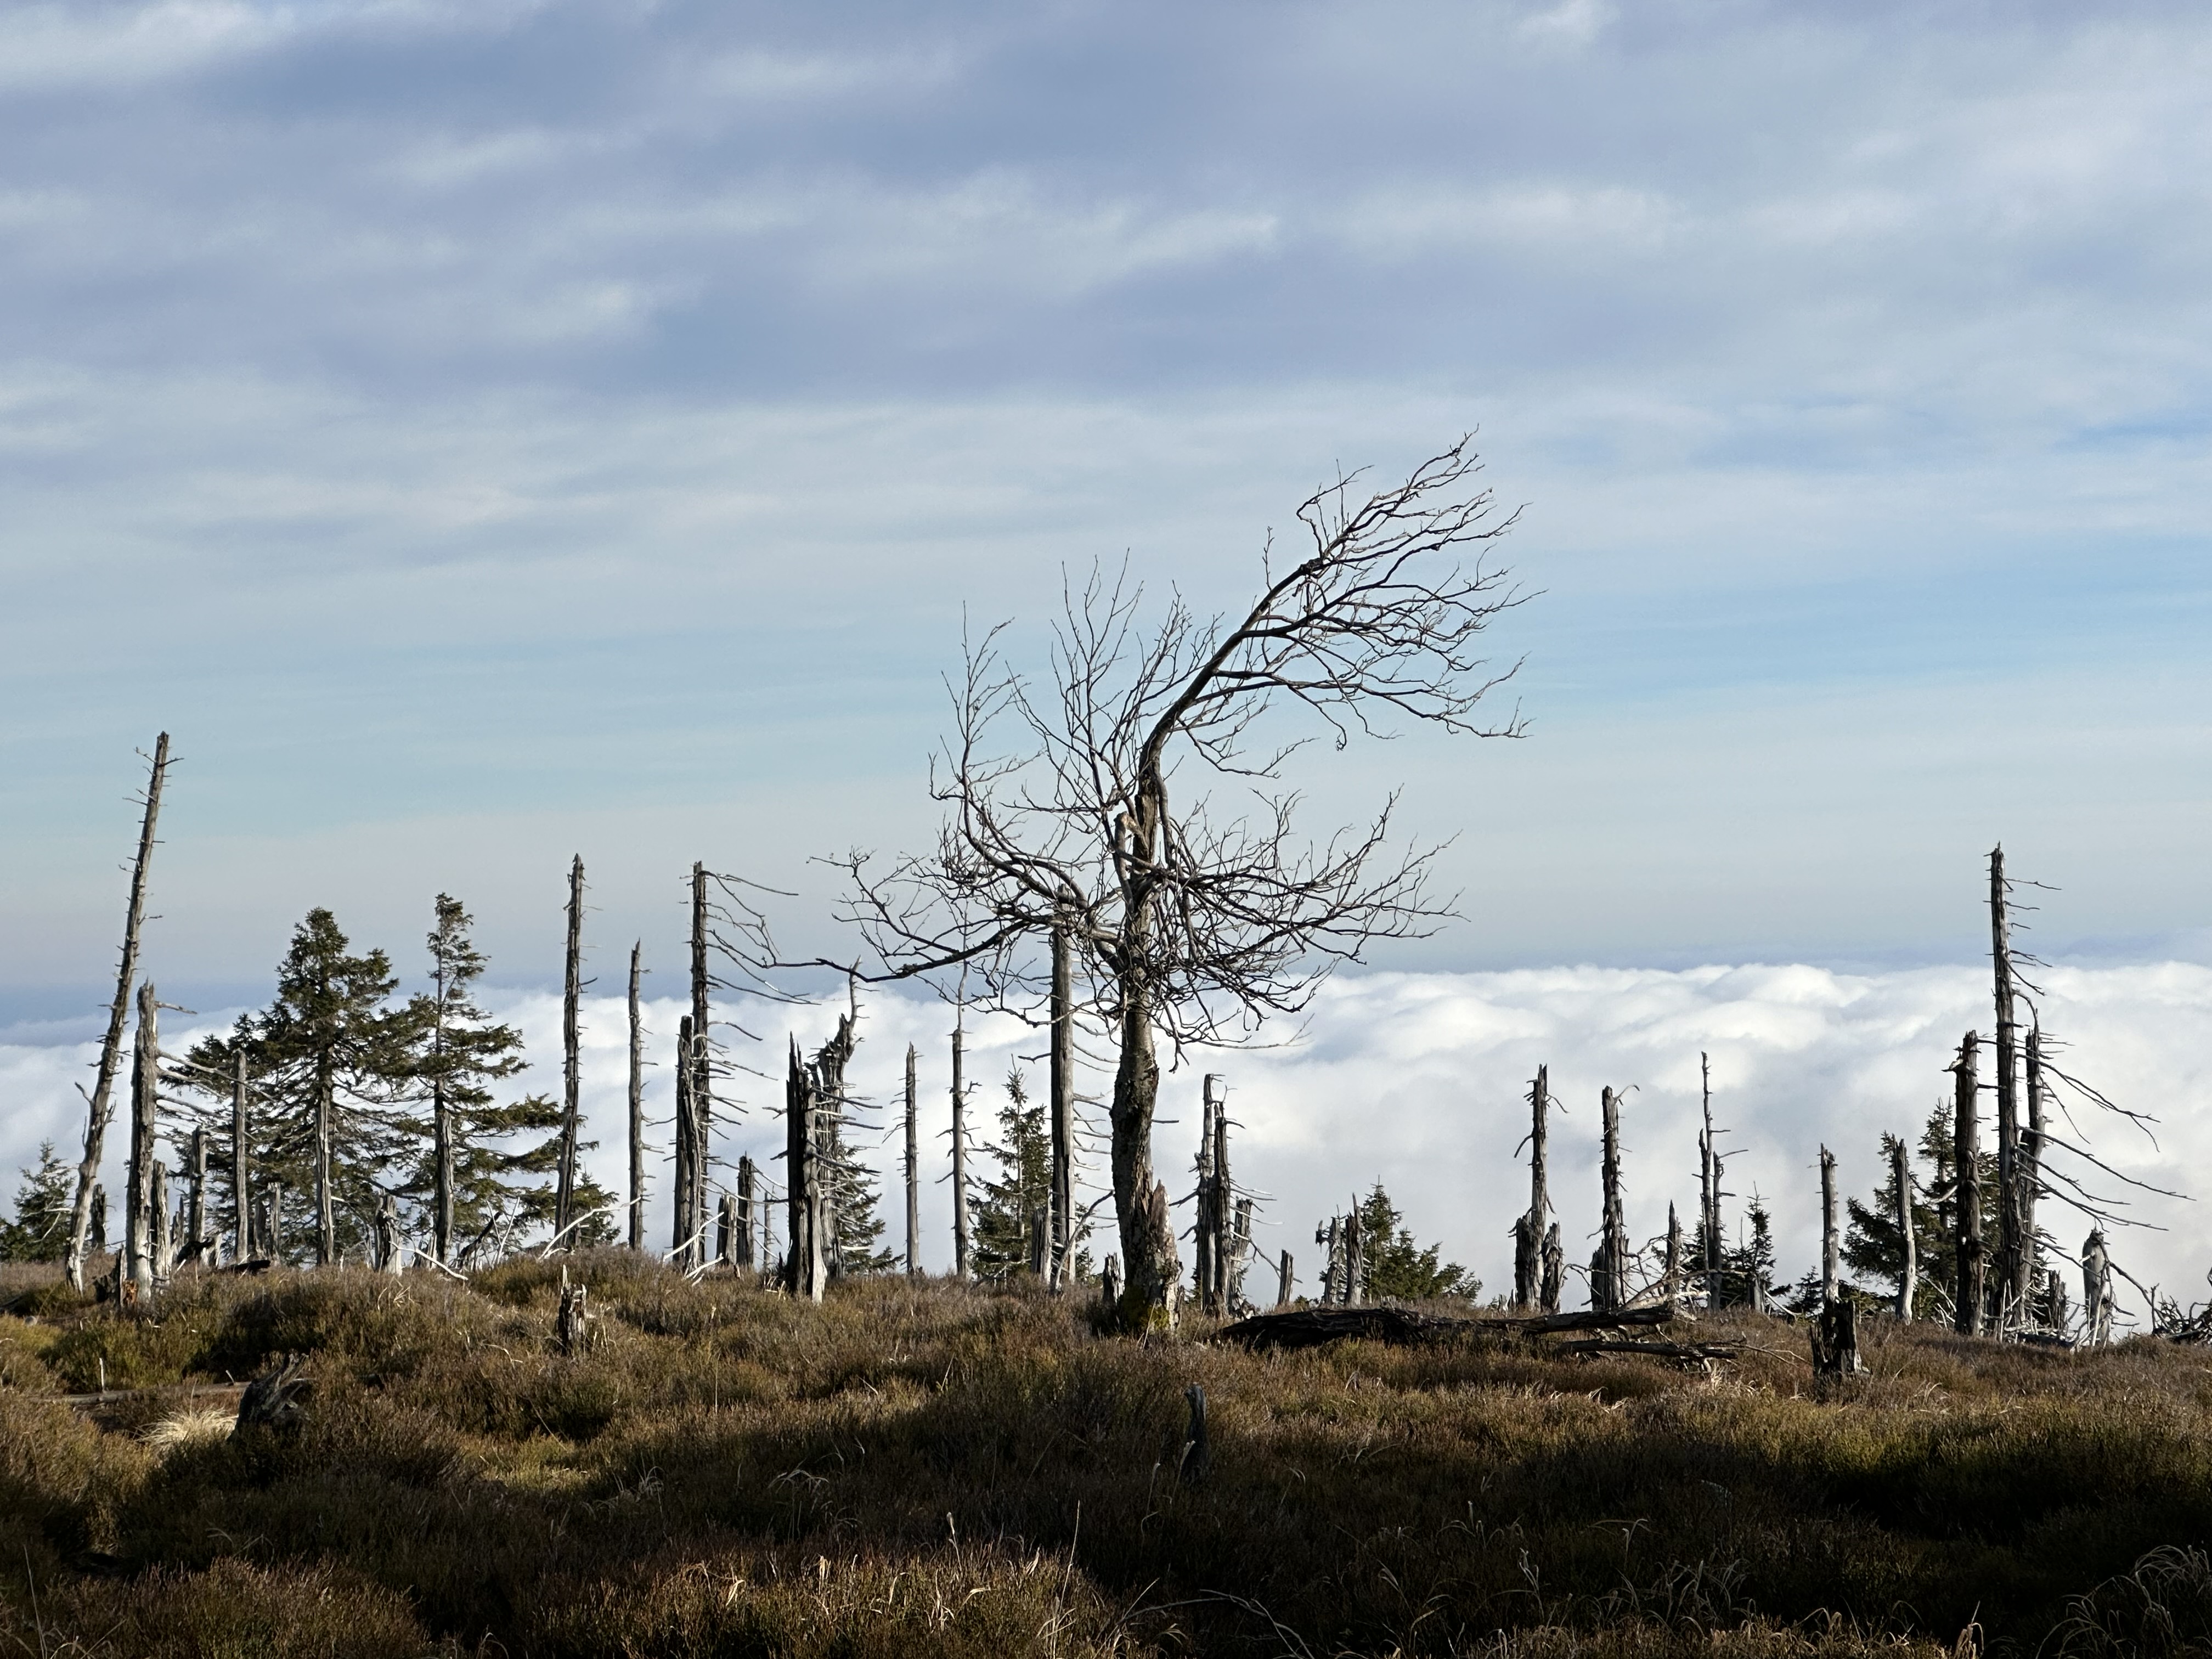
(332, 1061)
(40, 1231)
(1007, 1209)
(1397, 1265)
(1872, 1247)
(1750, 1263)
(457, 1054)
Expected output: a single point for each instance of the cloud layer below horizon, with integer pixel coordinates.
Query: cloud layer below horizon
(1418, 1080)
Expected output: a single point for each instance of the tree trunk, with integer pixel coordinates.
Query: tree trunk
(1355, 1261)
(808, 1270)
(241, 1185)
(326, 1136)
(1830, 1239)
(564, 1191)
(1613, 1291)
(138, 1192)
(1672, 1281)
(195, 1227)
(700, 1055)
(913, 1172)
(1148, 1247)
(959, 1149)
(2012, 1258)
(636, 1103)
(273, 1225)
(2096, 1291)
(2031, 1160)
(101, 1108)
(1240, 1254)
(1967, 1154)
(164, 1249)
(685, 1141)
(1709, 1173)
(725, 1232)
(1908, 1273)
(1285, 1280)
(1528, 1236)
(1203, 1201)
(1063, 1105)
(744, 1215)
(1224, 1209)
(1555, 1272)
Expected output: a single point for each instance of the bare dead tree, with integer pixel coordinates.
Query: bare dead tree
(1965, 1150)
(1529, 1230)
(1610, 1288)
(687, 1140)
(1831, 1235)
(99, 1104)
(913, 1172)
(138, 1194)
(2016, 1257)
(241, 1191)
(1908, 1272)
(1062, 1012)
(959, 1147)
(1709, 1180)
(564, 1191)
(636, 1101)
(1088, 807)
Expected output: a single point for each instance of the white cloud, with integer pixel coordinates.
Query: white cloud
(1420, 1080)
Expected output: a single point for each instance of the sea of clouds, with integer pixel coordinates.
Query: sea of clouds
(1420, 1081)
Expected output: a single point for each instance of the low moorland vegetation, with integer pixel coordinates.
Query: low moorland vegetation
(933, 1469)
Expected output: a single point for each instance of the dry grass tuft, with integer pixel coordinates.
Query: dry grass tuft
(940, 1469)
(197, 1425)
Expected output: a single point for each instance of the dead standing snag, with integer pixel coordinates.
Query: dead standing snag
(1189, 927)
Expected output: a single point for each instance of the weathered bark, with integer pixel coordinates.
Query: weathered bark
(101, 1108)
(164, 1246)
(1966, 1150)
(959, 1150)
(2096, 1291)
(195, 1227)
(1355, 1261)
(1040, 1240)
(829, 1102)
(388, 1233)
(1285, 1280)
(2031, 1165)
(1192, 1469)
(913, 1172)
(746, 1181)
(564, 1190)
(1306, 1328)
(137, 1193)
(1063, 1105)
(1528, 1232)
(700, 1053)
(1148, 1250)
(1709, 1175)
(1240, 1256)
(572, 1325)
(273, 1221)
(686, 1144)
(725, 1232)
(1204, 1231)
(1109, 1282)
(636, 1101)
(1672, 1284)
(326, 1152)
(1908, 1272)
(99, 1217)
(1831, 1237)
(1332, 1260)
(1610, 1288)
(807, 1270)
(241, 1187)
(2013, 1258)
(1555, 1272)
(1836, 1339)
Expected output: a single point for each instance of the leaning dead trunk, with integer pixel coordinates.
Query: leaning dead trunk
(1966, 1151)
(101, 1108)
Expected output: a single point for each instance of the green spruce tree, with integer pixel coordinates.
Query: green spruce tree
(1871, 1245)
(1004, 1214)
(1398, 1266)
(40, 1231)
(496, 1151)
(1750, 1260)
(332, 1063)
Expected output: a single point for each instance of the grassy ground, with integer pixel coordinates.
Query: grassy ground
(933, 1470)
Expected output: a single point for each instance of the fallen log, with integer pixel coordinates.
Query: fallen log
(1312, 1328)
(1656, 1350)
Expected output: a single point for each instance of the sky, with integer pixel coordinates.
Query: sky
(482, 434)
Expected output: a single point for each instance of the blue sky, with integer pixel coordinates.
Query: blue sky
(483, 433)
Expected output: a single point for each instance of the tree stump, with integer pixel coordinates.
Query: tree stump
(277, 1399)
(1836, 1339)
(572, 1326)
(1191, 1470)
